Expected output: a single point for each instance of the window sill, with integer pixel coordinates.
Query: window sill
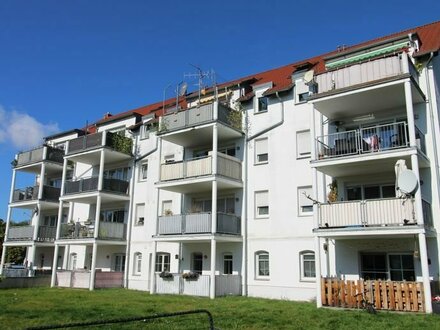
(303, 157)
(260, 112)
(262, 218)
(137, 275)
(308, 279)
(262, 278)
(261, 163)
(138, 225)
(306, 215)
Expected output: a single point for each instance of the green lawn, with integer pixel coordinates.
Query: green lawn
(21, 308)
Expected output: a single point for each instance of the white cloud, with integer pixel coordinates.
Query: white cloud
(23, 131)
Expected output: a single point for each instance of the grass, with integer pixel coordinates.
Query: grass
(21, 308)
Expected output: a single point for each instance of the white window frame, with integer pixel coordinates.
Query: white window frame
(257, 108)
(261, 144)
(160, 264)
(166, 211)
(121, 266)
(303, 201)
(303, 276)
(299, 145)
(143, 171)
(228, 257)
(140, 218)
(137, 264)
(145, 132)
(258, 206)
(259, 272)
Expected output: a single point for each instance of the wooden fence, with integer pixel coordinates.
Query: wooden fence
(389, 295)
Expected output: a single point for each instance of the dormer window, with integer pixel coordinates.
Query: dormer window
(262, 104)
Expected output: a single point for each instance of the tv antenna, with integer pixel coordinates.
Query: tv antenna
(201, 75)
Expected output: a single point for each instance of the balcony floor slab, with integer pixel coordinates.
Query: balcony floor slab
(359, 231)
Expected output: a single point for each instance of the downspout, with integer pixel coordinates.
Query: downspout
(274, 125)
(245, 179)
(130, 218)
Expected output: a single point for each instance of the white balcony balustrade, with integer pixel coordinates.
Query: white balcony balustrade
(20, 233)
(84, 230)
(227, 166)
(365, 72)
(368, 213)
(198, 223)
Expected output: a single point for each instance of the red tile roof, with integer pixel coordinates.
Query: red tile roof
(429, 36)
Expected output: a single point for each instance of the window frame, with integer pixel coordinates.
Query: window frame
(137, 264)
(228, 258)
(193, 262)
(138, 218)
(160, 264)
(301, 212)
(258, 261)
(256, 154)
(258, 109)
(143, 171)
(305, 154)
(257, 207)
(145, 132)
(303, 276)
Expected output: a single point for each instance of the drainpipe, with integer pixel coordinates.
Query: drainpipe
(130, 217)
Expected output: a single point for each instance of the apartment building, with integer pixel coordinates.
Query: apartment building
(285, 184)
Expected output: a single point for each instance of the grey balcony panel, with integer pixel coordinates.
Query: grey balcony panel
(21, 233)
(171, 224)
(115, 185)
(77, 230)
(31, 193)
(228, 224)
(198, 223)
(112, 230)
(46, 233)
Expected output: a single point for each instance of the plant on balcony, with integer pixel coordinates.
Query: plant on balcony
(121, 143)
(190, 276)
(168, 212)
(332, 196)
(163, 126)
(166, 275)
(235, 117)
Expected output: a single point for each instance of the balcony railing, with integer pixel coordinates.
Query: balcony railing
(364, 72)
(91, 141)
(198, 223)
(366, 140)
(81, 230)
(224, 285)
(20, 233)
(226, 166)
(427, 214)
(367, 213)
(46, 233)
(198, 116)
(91, 184)
(37, 155)
(31, 193)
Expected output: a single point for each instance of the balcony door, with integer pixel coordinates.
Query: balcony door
(119, 262)
(197, 262)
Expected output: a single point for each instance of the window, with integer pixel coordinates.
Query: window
(301, 90)
(374, 266)
(140, 215)
(143, 171)
(228, 150)
(72, 261)
(262, 104)
(56, 183)
(50, 220)
(137, 266)
(197, 262)
(401, 267)
(227, 264)
(307, 265)
(117, 173)
(145, 132)
(262, 264)
(169, 159)
(119, 262)
(303, 148)
(261, 204)
(305, 205)
(261, 151)
(377, 191)
(162, 262)
(224, 205)
(167, 207)
(112, 216)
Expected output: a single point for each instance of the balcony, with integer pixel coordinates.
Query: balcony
(91, 185)
(227, 166)
(364, 73)
(199, 115)
(373, 213)
(113, 141)
(378, 139)
(224, 285)
(39, 154)
(21, 233)
(198, 223)
(31, 194)
(84, 230)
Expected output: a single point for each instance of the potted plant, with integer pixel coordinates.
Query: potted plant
(166, 275)
(190, 276)
(332, 196)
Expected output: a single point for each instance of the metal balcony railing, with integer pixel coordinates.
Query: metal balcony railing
(31, 193)
(198, 223)
(367, 213)
(91, 184)
(37, 155)
(366, 140)
(20, 233)
(114, 141)
(81, 230)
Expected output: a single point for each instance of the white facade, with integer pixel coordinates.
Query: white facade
(300, 187)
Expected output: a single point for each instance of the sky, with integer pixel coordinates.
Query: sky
(64, 63)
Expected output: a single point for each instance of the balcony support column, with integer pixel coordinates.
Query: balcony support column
(318, 271)
(60, 218)
(101, 170)
(425, 272)
(97, 217)
(153, 269)
(2, 262)
(213, 264)
(41, 183)
(410, 113)
(54, 265)
(214, 208)
(93, 266)
(214, 148)
(63, 176)
(31, 256)
(36, 222)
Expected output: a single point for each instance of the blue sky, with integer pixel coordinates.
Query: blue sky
(63, 63)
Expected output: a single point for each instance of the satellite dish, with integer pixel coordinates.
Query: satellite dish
(183, 89)
(309, 76)
(407, 182)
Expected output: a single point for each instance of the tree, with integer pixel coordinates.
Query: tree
(2, 234)
(14, 254)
